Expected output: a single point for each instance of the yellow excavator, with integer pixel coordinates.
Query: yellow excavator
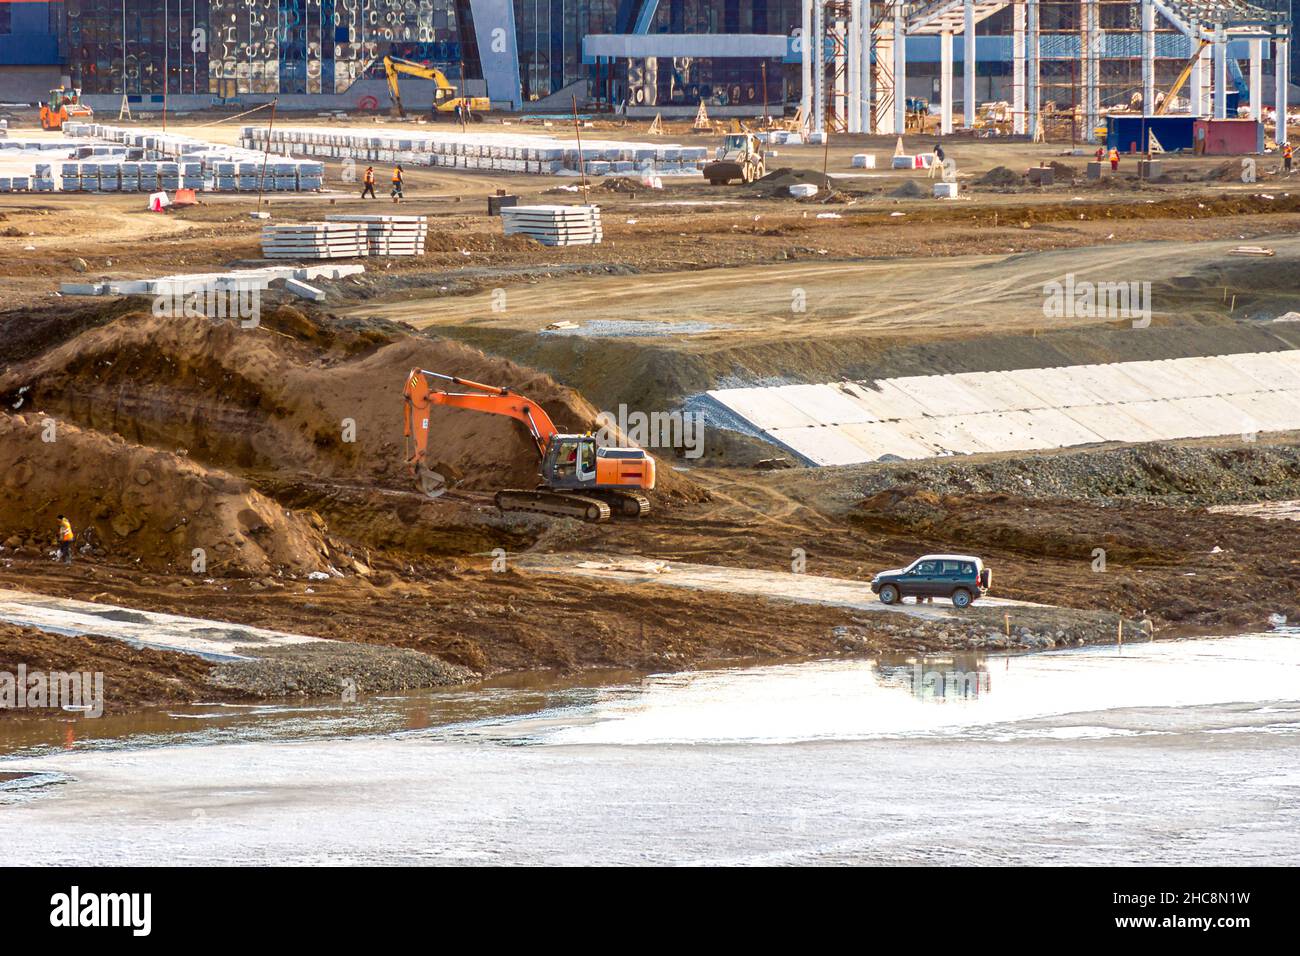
(63, 105)
(445, 99)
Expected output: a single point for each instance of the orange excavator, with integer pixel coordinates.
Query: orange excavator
(578, 479)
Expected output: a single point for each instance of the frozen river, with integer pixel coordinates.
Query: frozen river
(1183, 752)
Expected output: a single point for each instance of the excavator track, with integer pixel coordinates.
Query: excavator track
(554, 503)
(624, 504)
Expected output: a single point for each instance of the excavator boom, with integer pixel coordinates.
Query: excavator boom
(420, 394)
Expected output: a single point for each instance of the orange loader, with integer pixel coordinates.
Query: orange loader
(64, 105)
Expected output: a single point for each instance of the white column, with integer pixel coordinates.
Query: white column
(945, 83)
(1018, 68)
(839, 71)
(1282, 64)
(864, 49)
(1196, 85)
(1148, 57)
(1220, 74)
(900, 68)
(1032, 93)
(1091, 71)
(805, 61)
(1256, 79)
(819, 67)
(853, 37)
(968, 64)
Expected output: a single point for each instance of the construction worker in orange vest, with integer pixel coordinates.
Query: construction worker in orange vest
(66, 537)
(1114, 159)
(1287, 154)
(397, 183)
(368, 183)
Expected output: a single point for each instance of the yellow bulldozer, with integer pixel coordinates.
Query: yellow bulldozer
(63, 105)
(445, 98)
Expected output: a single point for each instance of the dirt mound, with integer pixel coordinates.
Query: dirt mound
(1062, 172)
(297, 394)
(1228, 171)
(779, 181)
(910, 189)
(133, 676)
(151, 504)
(1001, 176)
(619, 184)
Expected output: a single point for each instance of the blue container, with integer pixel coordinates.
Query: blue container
(1173, 132)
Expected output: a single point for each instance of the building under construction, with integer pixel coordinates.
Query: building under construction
(1064, 64)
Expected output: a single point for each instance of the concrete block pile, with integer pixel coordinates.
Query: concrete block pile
(489, 151)
(135, 160)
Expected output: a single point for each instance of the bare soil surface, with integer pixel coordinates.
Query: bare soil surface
(179, 434)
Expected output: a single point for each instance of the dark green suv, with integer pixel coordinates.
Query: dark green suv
(959, 577)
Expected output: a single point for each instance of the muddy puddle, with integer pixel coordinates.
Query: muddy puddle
(1179, 751)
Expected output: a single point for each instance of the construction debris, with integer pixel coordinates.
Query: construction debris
(201, 282)
(304, 291)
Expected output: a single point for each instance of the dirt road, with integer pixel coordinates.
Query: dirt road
(775, 585)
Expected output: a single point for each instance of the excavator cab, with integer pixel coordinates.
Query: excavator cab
(575, 462)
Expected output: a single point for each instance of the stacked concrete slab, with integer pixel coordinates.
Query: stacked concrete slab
(927, 416)
(501, 152)
(314, 240)
(554, 225)
(390, 235)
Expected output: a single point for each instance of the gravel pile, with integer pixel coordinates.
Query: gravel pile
(1001, 176)
(1182, 475)
(328, 668)
(985, 628)
(910, 189)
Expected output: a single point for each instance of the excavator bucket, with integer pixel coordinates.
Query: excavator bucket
(435, 479)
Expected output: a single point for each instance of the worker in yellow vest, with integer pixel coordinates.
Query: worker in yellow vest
(66, 537)
(1114, 159)
(397, 183)
(368, 183)
(1287, 154)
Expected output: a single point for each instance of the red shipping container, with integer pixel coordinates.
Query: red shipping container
(1228, 137)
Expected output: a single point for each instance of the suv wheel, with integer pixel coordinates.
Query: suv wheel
(889, 594)
(960, 598)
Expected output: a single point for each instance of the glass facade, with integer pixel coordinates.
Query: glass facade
(230, 47)
(115, 48)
